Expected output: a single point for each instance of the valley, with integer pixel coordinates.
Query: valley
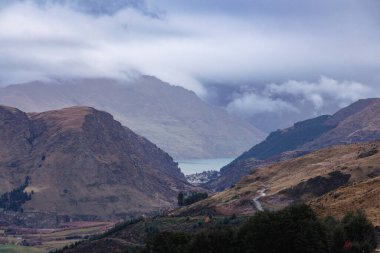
(140, 126)
(192, 166)
(332, 180)
(27, 240)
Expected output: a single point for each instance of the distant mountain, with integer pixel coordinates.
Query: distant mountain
(81, 162)
(359, 122)
(170, 116)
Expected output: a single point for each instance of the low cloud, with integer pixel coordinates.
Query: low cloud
(326, 90)
(230, 45)
(324, 96)
(277, 106)
(250, 104)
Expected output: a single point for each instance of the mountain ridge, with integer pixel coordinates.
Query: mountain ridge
(358, 122)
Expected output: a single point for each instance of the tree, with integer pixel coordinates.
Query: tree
(214, 241)
(169, 242)
(295, 229)
(13, 200)
(180, 198)
(188, 200)
(359, 232)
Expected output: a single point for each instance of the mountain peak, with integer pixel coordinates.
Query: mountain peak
(69, 119)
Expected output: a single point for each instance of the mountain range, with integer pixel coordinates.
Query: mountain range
(81, 163)
(358, 122)
(170, 116)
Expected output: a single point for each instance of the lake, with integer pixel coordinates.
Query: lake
(192, 166)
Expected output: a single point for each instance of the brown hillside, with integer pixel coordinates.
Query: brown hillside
(363, 195)
(85, 164)
(301, 179)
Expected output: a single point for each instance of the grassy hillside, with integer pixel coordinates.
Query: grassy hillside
(305, 179)
(136, 233)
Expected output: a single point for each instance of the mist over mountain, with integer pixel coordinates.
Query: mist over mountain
(170, 116)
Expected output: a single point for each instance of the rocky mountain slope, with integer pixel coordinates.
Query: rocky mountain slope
(202, 177)
(172, 117)
(83, 163)
(359, 122)
(334, 180)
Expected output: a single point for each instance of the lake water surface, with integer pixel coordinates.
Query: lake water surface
(191, 166)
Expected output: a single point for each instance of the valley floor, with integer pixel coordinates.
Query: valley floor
(23, 240)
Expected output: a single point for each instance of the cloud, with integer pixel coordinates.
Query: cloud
(326, 89)
(189, 44)
(250, 104)
(298, 97)
(277, 106)
(95, 7)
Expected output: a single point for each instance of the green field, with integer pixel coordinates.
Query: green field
(51, 240)
(9, 248)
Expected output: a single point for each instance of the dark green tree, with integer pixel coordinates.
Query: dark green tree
(214, 241)
(169, 242)
(295, 229)
(359, 232)
(180, 198)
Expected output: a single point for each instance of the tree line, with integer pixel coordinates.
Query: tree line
(13, 200)
(185, 200)
(295, 229)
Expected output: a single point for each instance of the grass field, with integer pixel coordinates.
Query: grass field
(51, 240)
(9, 248)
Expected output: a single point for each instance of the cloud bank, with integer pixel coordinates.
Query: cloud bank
(292, 96)
(280, 105)
(253, 47)
(40, 39)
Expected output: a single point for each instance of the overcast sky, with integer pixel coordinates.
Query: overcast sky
(294, 58)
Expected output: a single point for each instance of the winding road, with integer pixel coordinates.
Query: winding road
(260, 194)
